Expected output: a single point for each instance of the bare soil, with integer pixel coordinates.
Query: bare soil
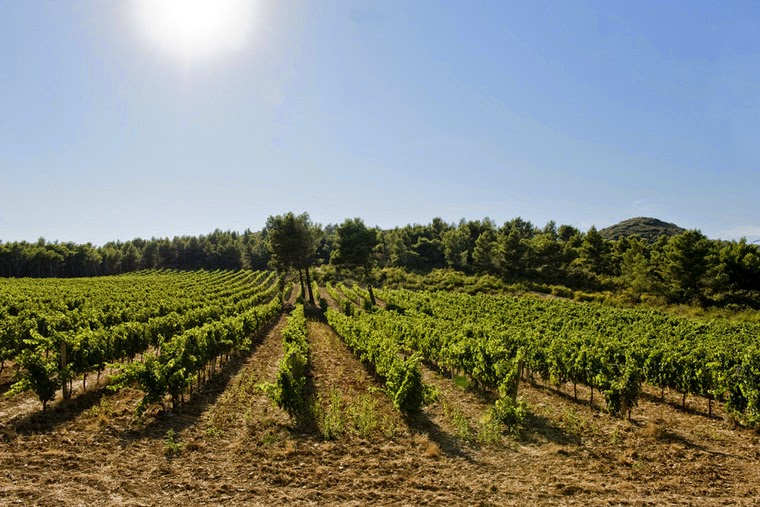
(231, 445)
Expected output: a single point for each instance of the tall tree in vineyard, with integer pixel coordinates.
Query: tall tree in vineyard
(293, 240)
(354, 251)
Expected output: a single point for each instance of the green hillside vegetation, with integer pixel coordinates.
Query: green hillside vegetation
(649, 229)
(685, 268)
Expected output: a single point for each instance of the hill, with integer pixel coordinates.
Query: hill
(647, 228)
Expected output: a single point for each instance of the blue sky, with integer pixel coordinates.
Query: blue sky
(586, 113)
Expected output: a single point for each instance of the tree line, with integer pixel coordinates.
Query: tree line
(683, 268)
(218, 250)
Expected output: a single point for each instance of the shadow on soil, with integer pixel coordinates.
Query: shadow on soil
(657, 399)
(59, 413)
(64, 411)
(5, 385)
(675, 438)
(555, 391)
(678, 405)
(189, 412)
(540, 430)
(449, 444)
(310, 425)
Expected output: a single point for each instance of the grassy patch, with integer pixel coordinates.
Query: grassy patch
(329, 415)
(172, 445)
(364, 415)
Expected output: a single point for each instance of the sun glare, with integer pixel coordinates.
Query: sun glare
(195, 30)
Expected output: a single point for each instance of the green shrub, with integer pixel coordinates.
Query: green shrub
(562, 292)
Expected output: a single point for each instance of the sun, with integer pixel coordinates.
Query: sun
(194, 31)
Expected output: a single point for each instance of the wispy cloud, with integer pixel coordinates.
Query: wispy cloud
(644, 207)
(751, 232)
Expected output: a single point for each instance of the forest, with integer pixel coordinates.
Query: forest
(673, 268)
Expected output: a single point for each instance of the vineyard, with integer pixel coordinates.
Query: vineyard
(183, 323)
(155, 386)
(609, 350)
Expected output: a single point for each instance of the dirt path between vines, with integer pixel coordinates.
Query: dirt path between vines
(234, 447)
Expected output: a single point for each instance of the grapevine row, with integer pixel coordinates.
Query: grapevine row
(610, 350)
(289, 391)
(401, 373)
(185, 357)
(52, 346)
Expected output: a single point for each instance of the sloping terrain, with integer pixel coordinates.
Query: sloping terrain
(644, 227)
